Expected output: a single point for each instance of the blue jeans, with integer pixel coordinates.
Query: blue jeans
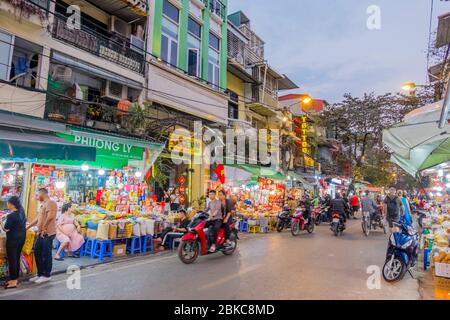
(43, 254)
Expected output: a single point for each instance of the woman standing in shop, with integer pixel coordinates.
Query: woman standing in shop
(67, 232)
(175, 200)
(15, 228)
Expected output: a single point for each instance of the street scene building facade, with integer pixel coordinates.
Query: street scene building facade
(114, 109)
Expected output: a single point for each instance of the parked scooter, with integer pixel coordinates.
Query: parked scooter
(401, 253)
(337, 224)
(322, 214)
(195, 243)
(300, 222)
(284, 219)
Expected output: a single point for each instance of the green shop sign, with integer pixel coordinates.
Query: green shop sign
(106, 147)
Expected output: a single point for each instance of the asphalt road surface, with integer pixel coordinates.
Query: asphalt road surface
(266, 266)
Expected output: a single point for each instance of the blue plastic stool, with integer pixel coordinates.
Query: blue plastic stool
(243, 226)
(89, 246)
(147, 243)
(134, 245)
(63, 253)
(102, 249)
(426, 258)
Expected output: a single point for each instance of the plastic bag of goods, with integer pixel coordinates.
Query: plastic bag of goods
(150, 226)
(121, 230)
(103, 231)
(129, 230)
(29, 242)
(142, 226)
(137, 229)
(112, 234)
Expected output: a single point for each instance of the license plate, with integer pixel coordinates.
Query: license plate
(335, 220)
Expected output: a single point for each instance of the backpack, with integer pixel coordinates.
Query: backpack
(392, 206)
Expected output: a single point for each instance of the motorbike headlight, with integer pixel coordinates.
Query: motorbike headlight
(392, 240)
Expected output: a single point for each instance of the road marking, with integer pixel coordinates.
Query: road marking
(230, 277)
(57, 282)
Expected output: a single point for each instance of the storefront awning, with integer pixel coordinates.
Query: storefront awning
(113, 151)
(263, 172)
(417, 143)
(33, 146)
(298, 178)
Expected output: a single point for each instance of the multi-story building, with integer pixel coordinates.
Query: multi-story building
(187, 74)
(253, 84)
(309, 137)
(70, 73)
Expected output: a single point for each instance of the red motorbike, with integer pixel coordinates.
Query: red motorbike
(195, 242)
(300, 223)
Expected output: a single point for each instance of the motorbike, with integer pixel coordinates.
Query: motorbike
(337, 224)
(322, 214)
(369, 224)
(284, 219)
(194, 243)
(401, 253)
(300, 223)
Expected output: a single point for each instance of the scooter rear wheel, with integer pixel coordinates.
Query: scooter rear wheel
(280, 226)
(188, 251)
(229, 252)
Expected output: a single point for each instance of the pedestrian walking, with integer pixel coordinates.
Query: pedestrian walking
(46, 225)
(393, 208)
(15, 227)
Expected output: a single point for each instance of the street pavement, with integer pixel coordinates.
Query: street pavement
(266, 266)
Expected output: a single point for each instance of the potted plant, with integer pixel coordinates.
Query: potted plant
(137, 119)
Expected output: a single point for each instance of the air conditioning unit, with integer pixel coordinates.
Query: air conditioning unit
(114, 90)
(119, 26)
(62, 73)
(137, 44)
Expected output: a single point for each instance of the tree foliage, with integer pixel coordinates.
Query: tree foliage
(358, 123)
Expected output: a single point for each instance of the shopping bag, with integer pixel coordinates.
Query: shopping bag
(103, 231)
(29, 242)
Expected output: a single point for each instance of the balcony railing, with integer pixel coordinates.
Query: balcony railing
(218, 8)
(114, 48)
(265, 97)
(96, 115)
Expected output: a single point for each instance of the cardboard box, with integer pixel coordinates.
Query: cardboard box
(83, 231)
(442, 270)
(120, 250)
(91, 233)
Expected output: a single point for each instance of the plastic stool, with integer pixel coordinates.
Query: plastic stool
(243, 226)
(89, 246)
(426, 258)
(147, 243)
(254, 229)
(102, 249)
(134, 245)
(175, 241)
(63, 253)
